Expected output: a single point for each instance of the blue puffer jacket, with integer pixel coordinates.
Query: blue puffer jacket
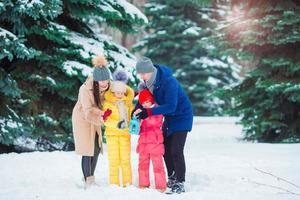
(173, 103)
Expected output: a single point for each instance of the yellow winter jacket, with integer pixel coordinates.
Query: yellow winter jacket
(112, 121)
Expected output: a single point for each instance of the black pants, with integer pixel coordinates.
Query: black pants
(174, 158)
(88, 163)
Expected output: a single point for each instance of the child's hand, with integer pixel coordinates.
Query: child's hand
(106, 114)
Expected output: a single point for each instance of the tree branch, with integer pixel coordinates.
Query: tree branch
(272, 186)
(278, 178)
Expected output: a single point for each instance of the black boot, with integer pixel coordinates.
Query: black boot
(171, 180)
(178, 187)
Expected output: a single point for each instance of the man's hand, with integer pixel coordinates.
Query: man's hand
(143, 113)
(137, 107)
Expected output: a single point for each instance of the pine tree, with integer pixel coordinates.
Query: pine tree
(178, 38)
(45, 53)
(267, 34)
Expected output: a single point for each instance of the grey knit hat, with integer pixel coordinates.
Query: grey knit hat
(101, 72)
(144, 65)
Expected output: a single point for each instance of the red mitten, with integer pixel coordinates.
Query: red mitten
(106, 114)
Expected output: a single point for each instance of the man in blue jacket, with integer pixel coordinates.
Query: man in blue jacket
(176, 107)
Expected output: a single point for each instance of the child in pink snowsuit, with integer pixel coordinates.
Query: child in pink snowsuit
(150, 146)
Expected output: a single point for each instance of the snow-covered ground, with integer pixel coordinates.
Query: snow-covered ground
(219, 167)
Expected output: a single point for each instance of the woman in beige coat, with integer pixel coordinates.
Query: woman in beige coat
(87, 118)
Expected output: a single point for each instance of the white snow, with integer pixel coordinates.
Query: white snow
(213, 81)
(234, 66)
(37, 8)
(103, 37)
(15, 115)
(154, 7)
(55, 26)
(205, 16)
(90, 46)
(25, 142)
(208, 62)
(71, 67)
(26, 4)
(106, 7)
(163, 32)
(120, 55)
(8, 123)
(47, 119)
(23, 101)
(33, 3)
(192, 31)
(3, 130)
(51, 80)
(4, 33)
(219, 167)
(130, 9)
(192, 87)
(124, 62)
(40, 78)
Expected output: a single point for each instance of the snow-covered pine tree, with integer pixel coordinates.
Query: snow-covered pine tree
(178, 32)
(267, 34)
(45, 53)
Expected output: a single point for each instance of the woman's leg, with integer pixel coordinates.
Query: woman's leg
(88, 163)
(86, 166)
(96, 154)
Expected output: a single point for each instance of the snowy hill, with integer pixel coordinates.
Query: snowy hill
(219, 167)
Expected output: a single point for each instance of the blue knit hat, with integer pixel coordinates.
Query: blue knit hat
(120, 80)
(101, 72)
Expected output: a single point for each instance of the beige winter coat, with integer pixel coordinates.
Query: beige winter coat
(86, 121)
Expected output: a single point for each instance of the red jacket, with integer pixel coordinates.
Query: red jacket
(151, 137)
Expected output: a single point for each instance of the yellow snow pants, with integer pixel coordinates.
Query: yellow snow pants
(119, 149)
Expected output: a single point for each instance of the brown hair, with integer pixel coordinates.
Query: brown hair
(96, 92)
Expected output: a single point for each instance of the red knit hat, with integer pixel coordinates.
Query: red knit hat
(145, 95)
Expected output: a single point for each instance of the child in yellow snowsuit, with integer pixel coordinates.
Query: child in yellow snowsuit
(119, 100)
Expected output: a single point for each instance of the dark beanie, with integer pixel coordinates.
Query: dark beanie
(144, 65)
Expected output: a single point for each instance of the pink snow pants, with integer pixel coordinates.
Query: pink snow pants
(158, 169)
